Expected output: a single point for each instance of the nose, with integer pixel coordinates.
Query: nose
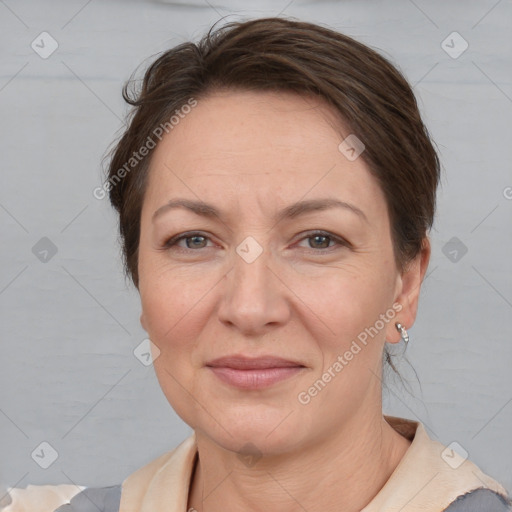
(254, 299)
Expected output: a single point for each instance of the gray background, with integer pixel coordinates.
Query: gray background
(69, 325)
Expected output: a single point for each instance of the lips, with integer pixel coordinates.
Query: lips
(250, 363)
(253, 373)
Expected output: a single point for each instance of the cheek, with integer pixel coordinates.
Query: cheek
(344, 300)
(169, 303)
(355, 309)
(165, 292)
(177, 305)
(174, 315)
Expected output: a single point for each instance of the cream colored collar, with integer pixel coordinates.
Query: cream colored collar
(423, 481)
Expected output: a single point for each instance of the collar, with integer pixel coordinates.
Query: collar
(428, 478)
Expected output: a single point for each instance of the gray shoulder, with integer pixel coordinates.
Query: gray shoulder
(480, 500)
(95, 499)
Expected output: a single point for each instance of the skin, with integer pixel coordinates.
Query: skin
(251, 154)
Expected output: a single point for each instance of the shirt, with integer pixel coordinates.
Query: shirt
(429, 478)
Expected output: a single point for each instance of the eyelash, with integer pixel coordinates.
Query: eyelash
(173, 241)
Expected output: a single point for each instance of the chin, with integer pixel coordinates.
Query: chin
(267, 430)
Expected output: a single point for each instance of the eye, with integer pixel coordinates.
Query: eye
(193, 240)
(318, 240)
(321, 240)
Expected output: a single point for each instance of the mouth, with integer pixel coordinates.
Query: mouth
(253, 373)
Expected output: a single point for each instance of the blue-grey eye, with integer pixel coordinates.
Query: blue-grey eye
(323, 240)
(199, 241)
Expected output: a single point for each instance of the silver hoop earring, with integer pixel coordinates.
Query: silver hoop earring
(403, 332)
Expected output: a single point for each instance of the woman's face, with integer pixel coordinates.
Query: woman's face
(296, 293)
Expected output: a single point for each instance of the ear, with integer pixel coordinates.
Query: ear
(408, 291)
(143, 321)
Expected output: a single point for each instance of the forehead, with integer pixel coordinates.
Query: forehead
(236, 123)
(259, 146)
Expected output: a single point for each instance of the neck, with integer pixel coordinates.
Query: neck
(343, 473)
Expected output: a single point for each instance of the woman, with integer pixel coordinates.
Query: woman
(275, 188)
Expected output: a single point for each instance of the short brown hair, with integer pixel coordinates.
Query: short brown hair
(278, 54)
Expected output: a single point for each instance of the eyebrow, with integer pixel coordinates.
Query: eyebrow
(292, 211)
